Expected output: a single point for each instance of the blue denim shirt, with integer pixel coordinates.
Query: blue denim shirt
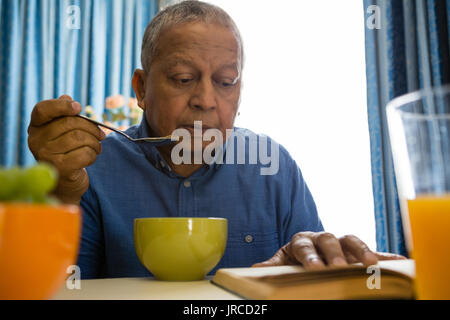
(132, 180)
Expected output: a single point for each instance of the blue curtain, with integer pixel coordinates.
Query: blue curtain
(85, 48)
(407, 50)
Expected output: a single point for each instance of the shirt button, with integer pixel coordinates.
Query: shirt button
(248, 238)
(187, 183)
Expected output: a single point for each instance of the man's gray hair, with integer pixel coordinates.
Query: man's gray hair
(184, 12)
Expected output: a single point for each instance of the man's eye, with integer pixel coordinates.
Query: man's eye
(227, 83)
(185, 79)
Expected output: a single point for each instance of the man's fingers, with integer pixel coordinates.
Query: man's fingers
(330, 248)
(389, 256)
(65, 124)
(70, 162)
(302, 249)
(280, 258)
(350, 258)
(73, 140)
(358, 249)
(75, 160)
(40, 137)
(380, 255)
(46, 111)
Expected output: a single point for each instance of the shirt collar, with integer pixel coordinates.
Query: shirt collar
(149, 149)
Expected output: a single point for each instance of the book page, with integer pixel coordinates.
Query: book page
(406, 267)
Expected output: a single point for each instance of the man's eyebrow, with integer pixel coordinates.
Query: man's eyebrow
(172, 62)
(233, 66)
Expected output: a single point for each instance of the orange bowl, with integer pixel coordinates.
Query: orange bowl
(37, 244)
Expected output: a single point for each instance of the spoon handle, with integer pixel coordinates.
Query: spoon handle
(149, 139)
(105, 126)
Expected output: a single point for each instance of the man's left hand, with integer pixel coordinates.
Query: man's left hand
(316, 250)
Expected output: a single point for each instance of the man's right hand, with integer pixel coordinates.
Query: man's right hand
(67, 142)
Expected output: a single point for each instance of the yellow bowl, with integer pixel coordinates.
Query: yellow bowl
(180, 249)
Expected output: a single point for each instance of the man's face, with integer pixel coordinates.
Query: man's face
(195, 77)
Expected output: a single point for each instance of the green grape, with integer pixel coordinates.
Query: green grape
(51, 200)
(36, 199)
(22, 198)
(39, 179)
(10, 183)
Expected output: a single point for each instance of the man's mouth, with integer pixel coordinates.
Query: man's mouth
(198, 128)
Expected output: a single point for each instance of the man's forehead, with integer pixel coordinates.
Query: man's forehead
(194, 43)
(198, 36)
(183, 59)
(198, 30)
(186, 45)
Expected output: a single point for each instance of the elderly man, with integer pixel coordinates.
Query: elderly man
(192, 58)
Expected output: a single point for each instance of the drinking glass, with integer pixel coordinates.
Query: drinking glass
(419, 127)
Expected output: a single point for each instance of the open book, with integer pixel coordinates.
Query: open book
(391, 279)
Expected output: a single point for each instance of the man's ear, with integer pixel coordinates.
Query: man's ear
(138, 83)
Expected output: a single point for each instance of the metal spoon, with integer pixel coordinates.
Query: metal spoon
(148, 139)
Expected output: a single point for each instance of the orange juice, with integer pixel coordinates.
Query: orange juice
(430, 227)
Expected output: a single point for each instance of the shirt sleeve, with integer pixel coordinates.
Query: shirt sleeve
(92, 247)
(302, 214)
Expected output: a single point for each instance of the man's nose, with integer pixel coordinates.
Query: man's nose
(204, 96)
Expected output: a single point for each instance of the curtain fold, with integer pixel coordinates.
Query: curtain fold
(409, 51)
(44, 55)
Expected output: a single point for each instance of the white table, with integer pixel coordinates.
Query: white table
(144, 289)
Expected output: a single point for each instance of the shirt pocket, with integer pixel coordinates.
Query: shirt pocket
(247, 248)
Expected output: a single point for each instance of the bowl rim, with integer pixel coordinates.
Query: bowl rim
(180, 218)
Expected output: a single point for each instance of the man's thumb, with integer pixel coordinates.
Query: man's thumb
(65, 97)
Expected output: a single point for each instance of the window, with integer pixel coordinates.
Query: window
(304, 85)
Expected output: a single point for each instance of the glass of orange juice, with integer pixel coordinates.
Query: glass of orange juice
(419, 131)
